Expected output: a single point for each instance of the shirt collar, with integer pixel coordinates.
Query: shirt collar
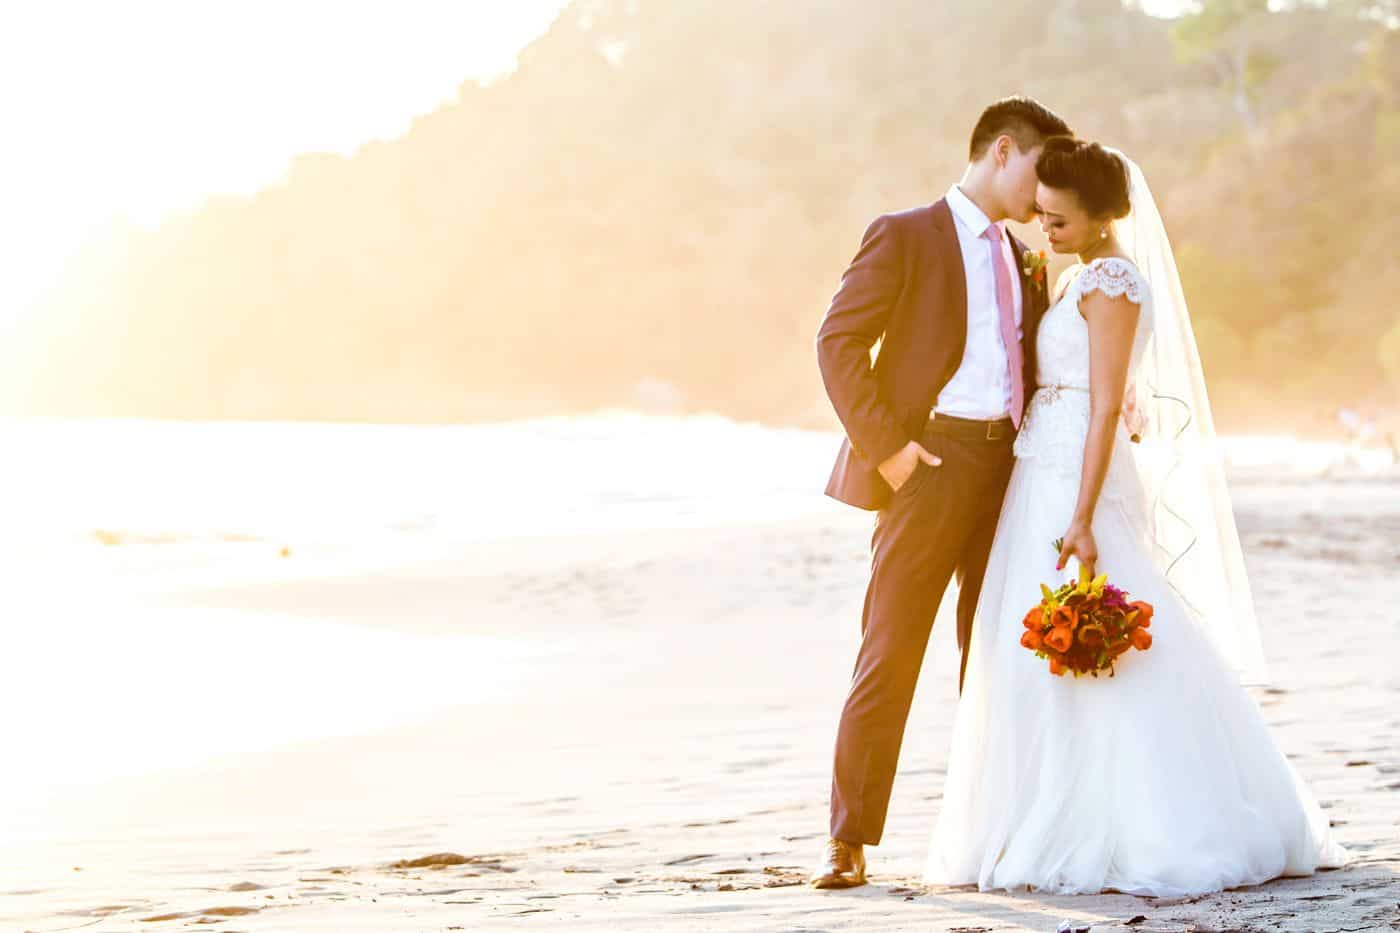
(968, 213)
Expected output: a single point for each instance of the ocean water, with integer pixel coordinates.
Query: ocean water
(108, 523)
(550, 476)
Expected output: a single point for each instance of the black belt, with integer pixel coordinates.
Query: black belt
(1001, 429)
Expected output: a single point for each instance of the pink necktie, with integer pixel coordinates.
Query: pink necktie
(1006, 305)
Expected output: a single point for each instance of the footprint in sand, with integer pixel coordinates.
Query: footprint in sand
(436, 860)
(783, 876)
(106, 910)
(207, 912)
(440, 860)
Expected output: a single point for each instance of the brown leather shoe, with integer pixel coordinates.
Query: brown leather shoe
(842, 866)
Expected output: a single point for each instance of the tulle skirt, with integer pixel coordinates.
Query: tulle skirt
(1162, 780)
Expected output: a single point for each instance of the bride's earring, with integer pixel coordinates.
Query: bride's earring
(1103, 233)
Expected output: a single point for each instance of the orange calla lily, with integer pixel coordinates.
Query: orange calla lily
(1066, 616)
(1091, 635)
(1061, 638)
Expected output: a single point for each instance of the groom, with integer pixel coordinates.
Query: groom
(929, 427)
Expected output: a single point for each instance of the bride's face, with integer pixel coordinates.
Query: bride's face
(1067, 226)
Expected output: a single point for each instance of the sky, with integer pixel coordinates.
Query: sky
(1163, 7)
(144, 108)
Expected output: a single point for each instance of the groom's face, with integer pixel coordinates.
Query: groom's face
(1018, 181)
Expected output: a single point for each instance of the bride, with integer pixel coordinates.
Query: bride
(1162, 780)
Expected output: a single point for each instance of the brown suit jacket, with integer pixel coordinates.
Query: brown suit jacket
(905, 288)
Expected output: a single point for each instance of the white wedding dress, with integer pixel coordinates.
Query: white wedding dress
(1162, 780)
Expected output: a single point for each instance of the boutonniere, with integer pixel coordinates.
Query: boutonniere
(1033, 265)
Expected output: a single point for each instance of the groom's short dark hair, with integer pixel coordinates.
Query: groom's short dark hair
(1027, 121)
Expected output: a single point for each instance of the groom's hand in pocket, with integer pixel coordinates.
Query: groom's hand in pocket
(898, 468)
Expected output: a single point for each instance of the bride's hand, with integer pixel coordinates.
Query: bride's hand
(1079, 542)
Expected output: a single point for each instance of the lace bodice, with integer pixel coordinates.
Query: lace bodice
(1062, 345)
(1057, 421)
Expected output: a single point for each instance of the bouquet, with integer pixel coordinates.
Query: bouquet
(1085, 625)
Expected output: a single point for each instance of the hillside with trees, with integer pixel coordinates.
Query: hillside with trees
(654, 209)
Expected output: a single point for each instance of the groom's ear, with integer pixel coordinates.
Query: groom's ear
(1001, 149)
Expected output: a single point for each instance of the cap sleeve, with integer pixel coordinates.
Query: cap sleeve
(1113, 277)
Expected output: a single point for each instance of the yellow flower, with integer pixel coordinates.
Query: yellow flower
(1033, 264)
(1090, 586)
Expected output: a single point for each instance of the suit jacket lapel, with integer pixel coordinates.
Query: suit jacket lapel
(954, 272)
(1018, 250)
(1032, 294)
(1034, 299)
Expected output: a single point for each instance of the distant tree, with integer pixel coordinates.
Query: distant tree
(1385, 13)
(1383, 62)
(1225, 35)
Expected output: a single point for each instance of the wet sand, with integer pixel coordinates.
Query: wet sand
(650, 746)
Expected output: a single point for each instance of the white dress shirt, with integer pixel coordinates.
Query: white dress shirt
(981, 386)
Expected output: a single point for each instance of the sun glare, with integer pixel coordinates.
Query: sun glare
(131, 112)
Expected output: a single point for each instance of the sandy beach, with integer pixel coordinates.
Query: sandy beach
(617, 729)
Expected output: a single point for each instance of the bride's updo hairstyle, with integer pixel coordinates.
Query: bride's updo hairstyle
(1098, 177)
